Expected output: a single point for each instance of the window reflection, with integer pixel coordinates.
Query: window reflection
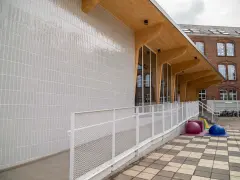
(220, 49)
(231, 72)
(222, 70)
(165, 95)
(230, 49)
(146, 77)
(200, 46)
(139, 81)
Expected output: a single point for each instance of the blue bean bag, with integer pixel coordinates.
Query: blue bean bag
(217, 130)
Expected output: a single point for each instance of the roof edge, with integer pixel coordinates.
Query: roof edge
(157, 5)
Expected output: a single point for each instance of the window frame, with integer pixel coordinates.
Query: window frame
(233, 94)
(227, 94)
(223, 95)
(226, 64)
(226, 72)
(233, 48)
(203, 46)
(225, 48)
(201, 93)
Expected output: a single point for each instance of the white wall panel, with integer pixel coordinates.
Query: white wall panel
(54, 60)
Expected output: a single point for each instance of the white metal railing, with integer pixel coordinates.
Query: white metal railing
(100, 139)
(224, 105)
(204, 108)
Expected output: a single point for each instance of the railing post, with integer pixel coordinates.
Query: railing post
(202, 107)
(212, 117)
(177, 114)
(171, 115)
(152, 120)
(137, 128)
(237, 109)
(186, 110)
(71, 168)
(182, 111)
(163, 120)
(114, 135)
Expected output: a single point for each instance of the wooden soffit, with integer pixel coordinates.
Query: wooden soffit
(133, 13)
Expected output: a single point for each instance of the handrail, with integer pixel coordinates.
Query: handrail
(207, 108)
(172, 116)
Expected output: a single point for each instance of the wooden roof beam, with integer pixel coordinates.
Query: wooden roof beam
(147, 34)
(194, 76)
(171, 54)
(88, 5)
(203, 80)
(205, 85)
(179, 67)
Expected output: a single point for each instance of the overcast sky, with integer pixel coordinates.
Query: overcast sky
(203, 12)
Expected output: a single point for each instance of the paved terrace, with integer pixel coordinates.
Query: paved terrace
(190, 158)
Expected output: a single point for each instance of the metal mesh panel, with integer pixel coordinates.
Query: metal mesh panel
(145, 109)
(174, 114)
(125, 134)
(184, 111)
(124, 112)
(167, 116)
(92, 118)
(145, 126)
(180, 112)
(90, 153)
(158, 119)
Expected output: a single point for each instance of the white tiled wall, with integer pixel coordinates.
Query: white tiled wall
(54, 60)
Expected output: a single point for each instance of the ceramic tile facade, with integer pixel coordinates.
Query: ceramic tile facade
(54, 60)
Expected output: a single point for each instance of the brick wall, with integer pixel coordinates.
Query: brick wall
(210, 43)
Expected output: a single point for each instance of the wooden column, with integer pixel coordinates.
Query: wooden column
(173, 86)
(183, 91)
(88, 5)
(162, 58)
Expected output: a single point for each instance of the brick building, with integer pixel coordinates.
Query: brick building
(221, 45)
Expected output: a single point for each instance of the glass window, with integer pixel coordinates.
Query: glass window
(202, 95)
(222, 70)
(200, 46)
(231, 72)
(139, 81)
(220, 49)
(153, 76)
(223, 94)
(147, 80)
(230, 49)
(165, 95)
(232, 95)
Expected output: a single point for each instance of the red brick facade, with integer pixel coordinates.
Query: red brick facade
(210, 44)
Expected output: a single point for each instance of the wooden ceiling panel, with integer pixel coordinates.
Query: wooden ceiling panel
(133, 12)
